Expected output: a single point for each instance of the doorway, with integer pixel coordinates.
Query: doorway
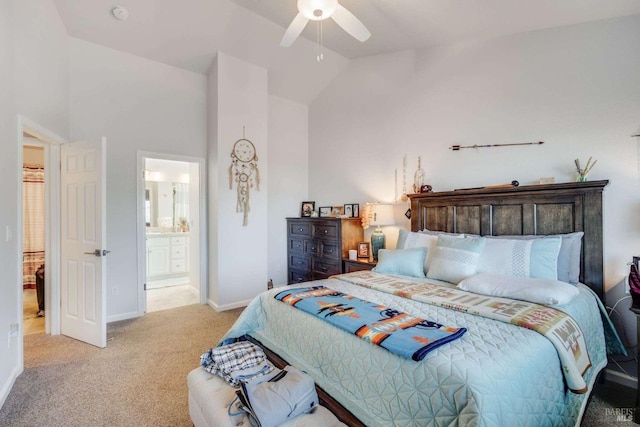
(34, 136)
(170, 205)
(84, 290)
(33, 235)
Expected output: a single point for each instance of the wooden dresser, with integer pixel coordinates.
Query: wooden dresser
(316, 246)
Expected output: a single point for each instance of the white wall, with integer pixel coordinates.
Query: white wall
(288, 176)
(576, 88)
(139, 105)
(41, 65)
(10, 365)
(240, 270)
(32, 39)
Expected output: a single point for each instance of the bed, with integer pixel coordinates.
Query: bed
(497, 373)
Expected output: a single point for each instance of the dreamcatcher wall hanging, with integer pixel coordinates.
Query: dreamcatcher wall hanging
(244, 171)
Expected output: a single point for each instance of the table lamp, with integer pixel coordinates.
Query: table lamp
(382, 215)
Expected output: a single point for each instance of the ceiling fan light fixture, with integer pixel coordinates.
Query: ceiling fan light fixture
(317, 10)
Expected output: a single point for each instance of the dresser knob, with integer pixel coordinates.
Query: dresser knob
(324, 269)
(300, 230)
(325, 231)
(299, 262)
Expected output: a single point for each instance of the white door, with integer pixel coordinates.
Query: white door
(83, 241)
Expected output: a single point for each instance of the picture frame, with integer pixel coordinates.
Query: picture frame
(324, 211)
(306, 208)
(364, 250)
(356, 210)
(348, 211)
(337, 211)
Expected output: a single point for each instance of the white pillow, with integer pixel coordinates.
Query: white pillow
(521, 258)
(412, 239)
(540, 291)
(455, 259)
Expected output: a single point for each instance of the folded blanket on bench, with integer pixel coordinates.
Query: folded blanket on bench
(405, 335)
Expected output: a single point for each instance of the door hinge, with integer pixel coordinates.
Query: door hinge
(145, 286)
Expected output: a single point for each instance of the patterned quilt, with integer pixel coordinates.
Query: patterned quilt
(497, 374)
(555, 325)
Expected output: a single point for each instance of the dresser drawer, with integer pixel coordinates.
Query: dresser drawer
(326, 268)
(300, 263)
(325, 230)
(351, 265)
(311, 247)
(296, 276)
(296, 245)
(330, 250)
(300, 229)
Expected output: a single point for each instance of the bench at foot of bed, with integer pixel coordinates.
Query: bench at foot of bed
(210, 395)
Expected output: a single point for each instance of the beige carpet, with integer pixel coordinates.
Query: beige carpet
(138, 380)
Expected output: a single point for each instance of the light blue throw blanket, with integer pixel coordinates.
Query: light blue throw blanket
(405, 335)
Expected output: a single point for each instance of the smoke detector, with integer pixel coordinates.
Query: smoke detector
(120, 13)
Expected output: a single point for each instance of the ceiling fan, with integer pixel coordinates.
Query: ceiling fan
(319, 10)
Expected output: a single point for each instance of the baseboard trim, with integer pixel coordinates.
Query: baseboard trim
(226, 307)
(8, 385)
(123, 316)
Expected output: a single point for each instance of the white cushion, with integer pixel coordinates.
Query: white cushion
(521, 258)
(455, 259)
(210, 395)
(413, 239)
(540, 291)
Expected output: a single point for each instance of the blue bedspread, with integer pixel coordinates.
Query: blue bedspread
(497, 374)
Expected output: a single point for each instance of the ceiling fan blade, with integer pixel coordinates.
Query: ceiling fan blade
(350, 23)
(294, 30)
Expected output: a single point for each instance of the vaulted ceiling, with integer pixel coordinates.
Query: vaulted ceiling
(188, 33)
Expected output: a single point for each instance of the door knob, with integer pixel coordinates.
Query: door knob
(98, 252)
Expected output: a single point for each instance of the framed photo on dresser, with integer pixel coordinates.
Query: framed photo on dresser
(307, 208)
(324, 211)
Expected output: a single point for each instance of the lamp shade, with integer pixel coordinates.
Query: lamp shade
(382, 215)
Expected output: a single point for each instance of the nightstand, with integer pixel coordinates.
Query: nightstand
(351, 265)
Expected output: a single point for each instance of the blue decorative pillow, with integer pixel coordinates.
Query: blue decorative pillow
(455, 259)
(403, 262)
(521, 257)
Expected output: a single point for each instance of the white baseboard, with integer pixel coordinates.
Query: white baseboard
(6, 388)
(226, 307)
(123, 316)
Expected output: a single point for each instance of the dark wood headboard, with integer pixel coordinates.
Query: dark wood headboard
(531, 209)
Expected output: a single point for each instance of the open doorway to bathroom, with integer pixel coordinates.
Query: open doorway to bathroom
(34, 235)
(171, 233)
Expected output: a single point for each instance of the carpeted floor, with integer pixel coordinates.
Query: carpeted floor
(140, 378)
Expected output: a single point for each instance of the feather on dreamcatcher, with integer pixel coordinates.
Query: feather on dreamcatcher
(244, 171)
